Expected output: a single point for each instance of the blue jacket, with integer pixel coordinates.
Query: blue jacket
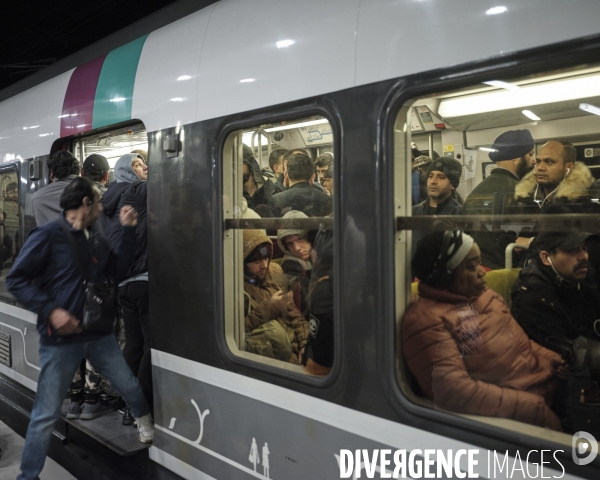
(46, 275)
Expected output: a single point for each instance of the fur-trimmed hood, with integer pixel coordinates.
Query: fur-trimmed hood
(571, 188)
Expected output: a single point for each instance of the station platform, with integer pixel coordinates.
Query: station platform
(11, 444)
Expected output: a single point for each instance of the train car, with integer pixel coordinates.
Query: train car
(199, 84)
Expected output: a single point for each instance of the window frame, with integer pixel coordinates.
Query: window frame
(567, 55)
(227, 131)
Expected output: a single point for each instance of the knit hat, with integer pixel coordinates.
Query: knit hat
(96, 164)
(252, 239)
(512, 144)
(449, 167)
(422, 161)
(429, 257)
(286, 232)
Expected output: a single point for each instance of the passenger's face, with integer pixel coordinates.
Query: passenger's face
(526, 164)
(327, 184)
(469, 276)
(570, 264)
(298, 246)
(12, 195)
(321, 172)
(95, 209)
(140, 169)
(550, 167)
(438, 186)
(258, 269)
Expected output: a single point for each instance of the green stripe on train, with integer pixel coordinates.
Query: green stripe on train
(114, 93)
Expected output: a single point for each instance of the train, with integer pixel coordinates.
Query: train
(196, 84)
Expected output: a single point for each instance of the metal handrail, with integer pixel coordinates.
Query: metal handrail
(508, 263)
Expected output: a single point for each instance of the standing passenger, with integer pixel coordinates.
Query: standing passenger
(64, 167)
(46, 278)
(131, 188)
(443, 177)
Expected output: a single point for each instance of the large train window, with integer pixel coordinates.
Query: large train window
(278, 244)
(10, 236)
(497, 251)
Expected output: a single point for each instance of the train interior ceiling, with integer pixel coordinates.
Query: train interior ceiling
(560, 105)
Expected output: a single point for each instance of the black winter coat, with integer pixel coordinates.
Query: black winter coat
(118, 195)
(301, 196)
(545, 305)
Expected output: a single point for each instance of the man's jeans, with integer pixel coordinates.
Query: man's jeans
(58, 365)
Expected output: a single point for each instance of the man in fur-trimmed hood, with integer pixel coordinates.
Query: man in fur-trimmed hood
(557, 178)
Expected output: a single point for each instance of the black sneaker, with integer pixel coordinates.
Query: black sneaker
(127, 418)
(74, 411)
(94, 410)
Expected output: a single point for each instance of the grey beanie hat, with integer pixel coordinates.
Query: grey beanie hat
(286, 232)
(449, 167)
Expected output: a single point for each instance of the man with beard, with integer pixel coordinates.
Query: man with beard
(513, 152)
(555, 294)
(443, 177)
(274, 326)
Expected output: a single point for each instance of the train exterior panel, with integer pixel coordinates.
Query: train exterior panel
(235, 64)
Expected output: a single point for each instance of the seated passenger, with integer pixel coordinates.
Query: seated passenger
(320, 346)
(555, 294)
(274, 326)
(296, 264)
(300, 195)
(462, 345)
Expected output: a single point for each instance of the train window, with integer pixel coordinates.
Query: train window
(114, 144)
(10, 237)
(278, 244)
(498, 175)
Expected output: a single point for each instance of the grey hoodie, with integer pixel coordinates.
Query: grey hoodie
(123, 170)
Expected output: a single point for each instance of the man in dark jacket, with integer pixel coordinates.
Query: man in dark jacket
(131, 188)
(64, 167)
(46, 278)
(300, 196)
(443, 177)
(555, 294)
(513, 152)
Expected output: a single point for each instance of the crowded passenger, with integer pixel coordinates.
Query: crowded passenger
(558, 178)
(46, 278)
(131, 188)
(256, 187)
(296, 262)
(443, 177)
(415, 183)
(300, 196)
(327, 180)
(513, 152)
(64, 167)
(320, 346)
(420, 166)
(96, 168)
(11, 216)
(460, 342)
(322, 164)
(276, 161)
(556, 294)
(274, 326)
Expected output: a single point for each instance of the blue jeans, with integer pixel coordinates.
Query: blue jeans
(58, 364)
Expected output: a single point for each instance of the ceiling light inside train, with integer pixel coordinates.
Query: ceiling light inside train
(586, 107)
(496, 10)
(177, 99)
(248, 80)
(183, 78)
(526, 96)
(297, 125)
(118, 99)
(486, 149)
(501, 84)
(285, 43)
(532, 116)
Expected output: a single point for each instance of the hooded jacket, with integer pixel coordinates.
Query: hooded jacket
(546, 305)
(575, 191)
(127, 190)
(470, 356)
(259, 292)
